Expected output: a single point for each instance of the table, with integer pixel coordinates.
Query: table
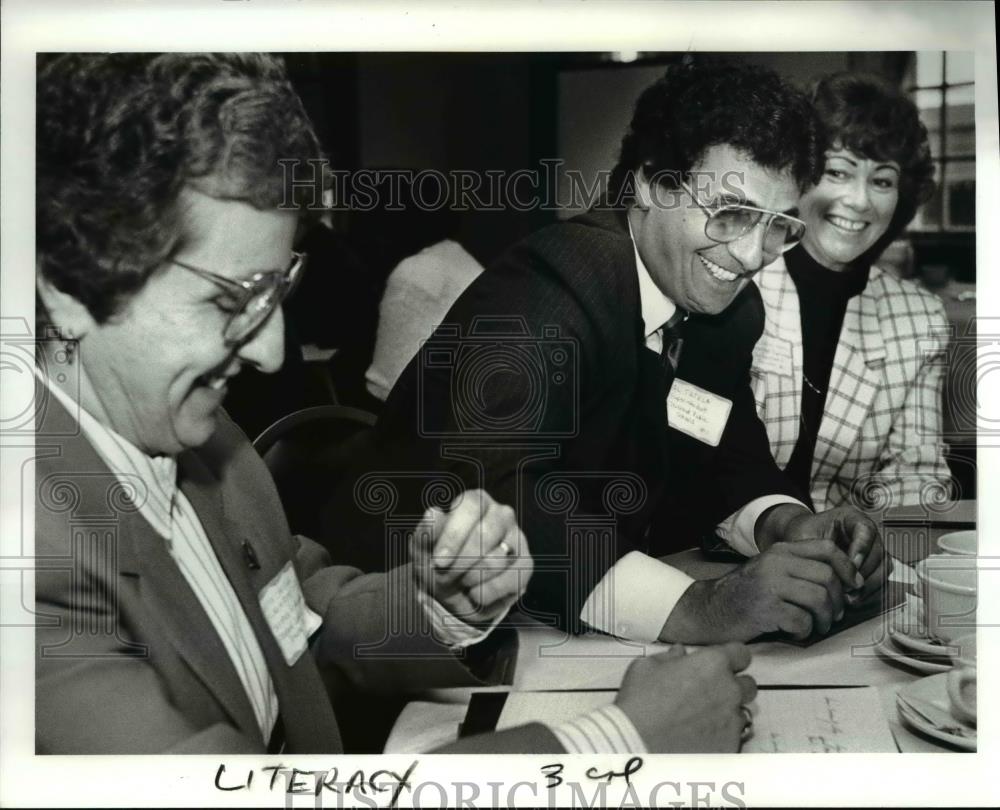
(551, 659)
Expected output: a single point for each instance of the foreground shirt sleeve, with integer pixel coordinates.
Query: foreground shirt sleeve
(738, 529)
(635, 597)
(451, 630)
(606, 730)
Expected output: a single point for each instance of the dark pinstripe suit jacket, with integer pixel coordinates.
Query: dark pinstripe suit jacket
(567, 421)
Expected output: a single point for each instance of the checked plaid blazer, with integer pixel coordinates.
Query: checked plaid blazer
(879, 439)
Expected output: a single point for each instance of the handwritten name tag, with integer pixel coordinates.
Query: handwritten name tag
(286, 612)
(773, 355)
(697, 412)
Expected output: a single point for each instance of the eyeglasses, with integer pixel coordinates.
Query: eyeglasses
(254, 298)
(729, 221)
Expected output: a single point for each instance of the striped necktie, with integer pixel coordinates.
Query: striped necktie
(673, 343)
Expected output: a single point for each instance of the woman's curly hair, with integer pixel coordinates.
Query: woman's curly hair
(119, 136)
(702, 102)
(870, 117)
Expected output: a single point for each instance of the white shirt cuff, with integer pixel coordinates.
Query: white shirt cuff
(635, 597)
(606, 730)
(448, 628)
(738, 529)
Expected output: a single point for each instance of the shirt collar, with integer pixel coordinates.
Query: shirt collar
(123, 457)
(657, 309)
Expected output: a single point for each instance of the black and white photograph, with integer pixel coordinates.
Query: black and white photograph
(521, 404)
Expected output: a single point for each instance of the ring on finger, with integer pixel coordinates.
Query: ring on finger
(506, 548)
(747, 731)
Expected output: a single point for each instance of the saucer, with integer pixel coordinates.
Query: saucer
(921, 644)
(919, 664)
(909, 630)
(933, 693)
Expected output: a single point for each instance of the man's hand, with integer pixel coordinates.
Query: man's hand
(795, 587)
(689, 703)
(853, 532)
(473, 559)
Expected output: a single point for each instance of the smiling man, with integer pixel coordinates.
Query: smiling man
(597, 378)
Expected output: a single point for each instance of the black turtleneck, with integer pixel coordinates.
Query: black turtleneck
(823, 296)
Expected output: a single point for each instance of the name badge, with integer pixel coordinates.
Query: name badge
(773, 355)
(697, 412)
(285, 609)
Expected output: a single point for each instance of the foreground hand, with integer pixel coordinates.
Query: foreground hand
(473, 559)
(795, 587)
(853, 532)
(689, 703)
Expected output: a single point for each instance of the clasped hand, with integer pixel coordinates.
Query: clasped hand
(473, 559)
(799, 585)
(853, 533)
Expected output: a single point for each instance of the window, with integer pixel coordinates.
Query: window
(942, 87)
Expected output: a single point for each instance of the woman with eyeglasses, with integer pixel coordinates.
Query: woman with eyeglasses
(848, 373)
(179, 614)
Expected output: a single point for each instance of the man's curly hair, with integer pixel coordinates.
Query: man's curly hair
(702, 102)
(868, 116)
(119, 136)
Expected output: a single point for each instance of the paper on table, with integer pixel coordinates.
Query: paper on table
(903, 573)
(848, 720)
(820, 721)
(550, 707)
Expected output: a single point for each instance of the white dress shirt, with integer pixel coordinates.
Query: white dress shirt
(638, 593)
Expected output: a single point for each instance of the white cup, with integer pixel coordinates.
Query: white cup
(962, 686)
(962, 682)
(963, 651)
(962, 544)
(948, 585)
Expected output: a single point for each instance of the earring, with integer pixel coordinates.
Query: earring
(69, 346)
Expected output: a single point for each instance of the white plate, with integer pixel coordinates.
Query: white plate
(887, 649)
(933, 690)
(923, 646)
(909, 630)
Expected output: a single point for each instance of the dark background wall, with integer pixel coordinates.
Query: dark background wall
(500, 111)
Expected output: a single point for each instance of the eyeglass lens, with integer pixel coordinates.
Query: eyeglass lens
(259, 306)
(253, 313)
(729, 224)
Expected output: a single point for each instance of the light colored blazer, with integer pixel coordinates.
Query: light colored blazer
(128, 662)
(879, 439)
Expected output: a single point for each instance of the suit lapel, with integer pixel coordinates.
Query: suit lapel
(782, 393)
(308, 719)
(857, 373)
(652, 434)
(142, 554)
(649, 434)
(189, 628)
